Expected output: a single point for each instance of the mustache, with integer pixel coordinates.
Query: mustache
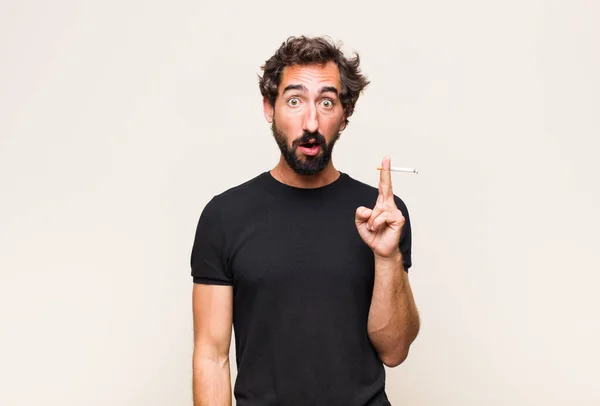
(307, 136)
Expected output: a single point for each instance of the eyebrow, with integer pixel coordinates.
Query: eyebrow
(302, 88)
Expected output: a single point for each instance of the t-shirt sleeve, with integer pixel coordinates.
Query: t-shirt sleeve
(406, 237)
(209, 252)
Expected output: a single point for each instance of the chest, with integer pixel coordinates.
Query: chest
(301, 250)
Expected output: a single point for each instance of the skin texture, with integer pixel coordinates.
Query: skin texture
(393, 317)
(213, 315)
(313, 105)
(308, 109)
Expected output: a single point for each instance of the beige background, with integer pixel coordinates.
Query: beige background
(121, 119)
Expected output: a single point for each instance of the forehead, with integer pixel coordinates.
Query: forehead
(311, 76)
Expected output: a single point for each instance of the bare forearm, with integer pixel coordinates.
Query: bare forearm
(212, 382)
(393, 318)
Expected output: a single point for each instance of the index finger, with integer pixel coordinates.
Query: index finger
(385, 179)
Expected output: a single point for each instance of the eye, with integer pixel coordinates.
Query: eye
(327, 103)
(293, 102)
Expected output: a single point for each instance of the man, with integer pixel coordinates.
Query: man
(308, 264)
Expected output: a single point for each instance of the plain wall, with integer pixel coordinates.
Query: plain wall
(119, 120)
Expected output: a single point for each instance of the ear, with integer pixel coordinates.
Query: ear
(343, 125)
(268, 109)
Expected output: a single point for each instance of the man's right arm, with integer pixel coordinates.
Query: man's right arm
(213, 314)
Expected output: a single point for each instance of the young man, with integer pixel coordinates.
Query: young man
(309, 265)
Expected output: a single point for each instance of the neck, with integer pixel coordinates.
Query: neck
(284, 174)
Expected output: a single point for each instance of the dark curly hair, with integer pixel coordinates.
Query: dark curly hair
(310, 51)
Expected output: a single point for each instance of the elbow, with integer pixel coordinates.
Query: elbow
(393, 360)
(394, 352)
(398, 354)
(206, 354)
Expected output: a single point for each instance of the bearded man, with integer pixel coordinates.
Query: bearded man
(308, 265)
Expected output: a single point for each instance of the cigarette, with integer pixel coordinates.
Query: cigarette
(397, 169)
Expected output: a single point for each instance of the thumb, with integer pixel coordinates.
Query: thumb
(363, 214)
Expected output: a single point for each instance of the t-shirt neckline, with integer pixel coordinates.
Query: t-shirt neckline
(281, 187)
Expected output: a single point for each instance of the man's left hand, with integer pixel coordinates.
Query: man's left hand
(381, 227)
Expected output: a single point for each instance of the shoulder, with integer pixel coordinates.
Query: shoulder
(237, 197)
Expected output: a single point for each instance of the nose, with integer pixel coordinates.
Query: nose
(311, 120)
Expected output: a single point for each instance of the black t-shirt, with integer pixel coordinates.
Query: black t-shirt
(302, 280)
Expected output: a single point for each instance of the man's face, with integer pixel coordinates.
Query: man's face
(308, 116)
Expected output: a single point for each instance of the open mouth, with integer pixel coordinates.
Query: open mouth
(310, 148)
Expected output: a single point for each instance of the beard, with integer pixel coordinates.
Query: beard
(309, 165)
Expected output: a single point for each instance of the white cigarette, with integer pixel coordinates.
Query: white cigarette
(396, 169)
